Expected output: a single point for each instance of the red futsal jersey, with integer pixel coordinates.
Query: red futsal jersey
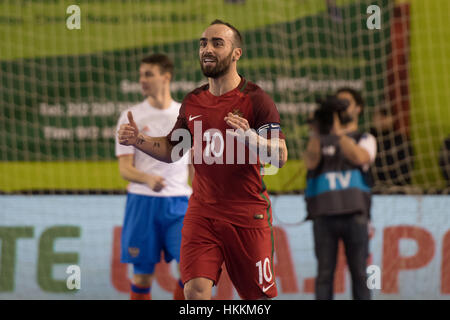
(227, 186)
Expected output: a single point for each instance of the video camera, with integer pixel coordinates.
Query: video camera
(324, 115)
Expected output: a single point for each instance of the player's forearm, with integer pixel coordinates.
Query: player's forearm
(352, 151)
(312, 154)
(156, 147)
(278, 146)
(131, 174)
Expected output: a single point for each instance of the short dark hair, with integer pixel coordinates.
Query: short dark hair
(355, 94)
(237, 34)
(161, 60)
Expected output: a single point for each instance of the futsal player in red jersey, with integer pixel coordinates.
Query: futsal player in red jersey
(229, 217)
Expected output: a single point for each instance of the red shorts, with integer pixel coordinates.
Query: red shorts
(247, 253)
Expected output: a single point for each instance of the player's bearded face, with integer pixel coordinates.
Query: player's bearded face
(213, 67)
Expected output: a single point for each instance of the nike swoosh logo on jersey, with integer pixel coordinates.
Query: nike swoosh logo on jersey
(264, 289)
(192, 118)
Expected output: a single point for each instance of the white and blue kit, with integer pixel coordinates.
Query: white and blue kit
(153, 220)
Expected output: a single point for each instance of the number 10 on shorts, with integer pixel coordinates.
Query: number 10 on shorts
(264, 269)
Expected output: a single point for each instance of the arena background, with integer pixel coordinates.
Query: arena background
(61, 92)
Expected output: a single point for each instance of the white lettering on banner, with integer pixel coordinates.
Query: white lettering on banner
(296, 108)
(58, 133)
(108, 133)
(279, 84)
(87, 132)
(84, 109)
(266, 85)
(50, 110)
(103, 109)
(77, 110)
(309, 85)
(127, 86)
(182, 86)
(79, 132)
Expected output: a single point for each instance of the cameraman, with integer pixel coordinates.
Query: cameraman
(338, 192)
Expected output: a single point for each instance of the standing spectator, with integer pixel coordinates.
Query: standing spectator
(338, 194)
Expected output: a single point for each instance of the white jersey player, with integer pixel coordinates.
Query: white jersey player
(158, 192)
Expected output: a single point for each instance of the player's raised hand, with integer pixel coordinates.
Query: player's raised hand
(237, 122)
(128, 133)
(242, 130)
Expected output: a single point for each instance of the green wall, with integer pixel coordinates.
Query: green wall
(429, 86)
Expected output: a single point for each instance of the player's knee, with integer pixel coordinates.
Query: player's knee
(198, 289)
(195, 293)
(143, 280)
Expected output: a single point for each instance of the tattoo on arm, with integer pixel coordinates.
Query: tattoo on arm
(139, 140)
(279, 148)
